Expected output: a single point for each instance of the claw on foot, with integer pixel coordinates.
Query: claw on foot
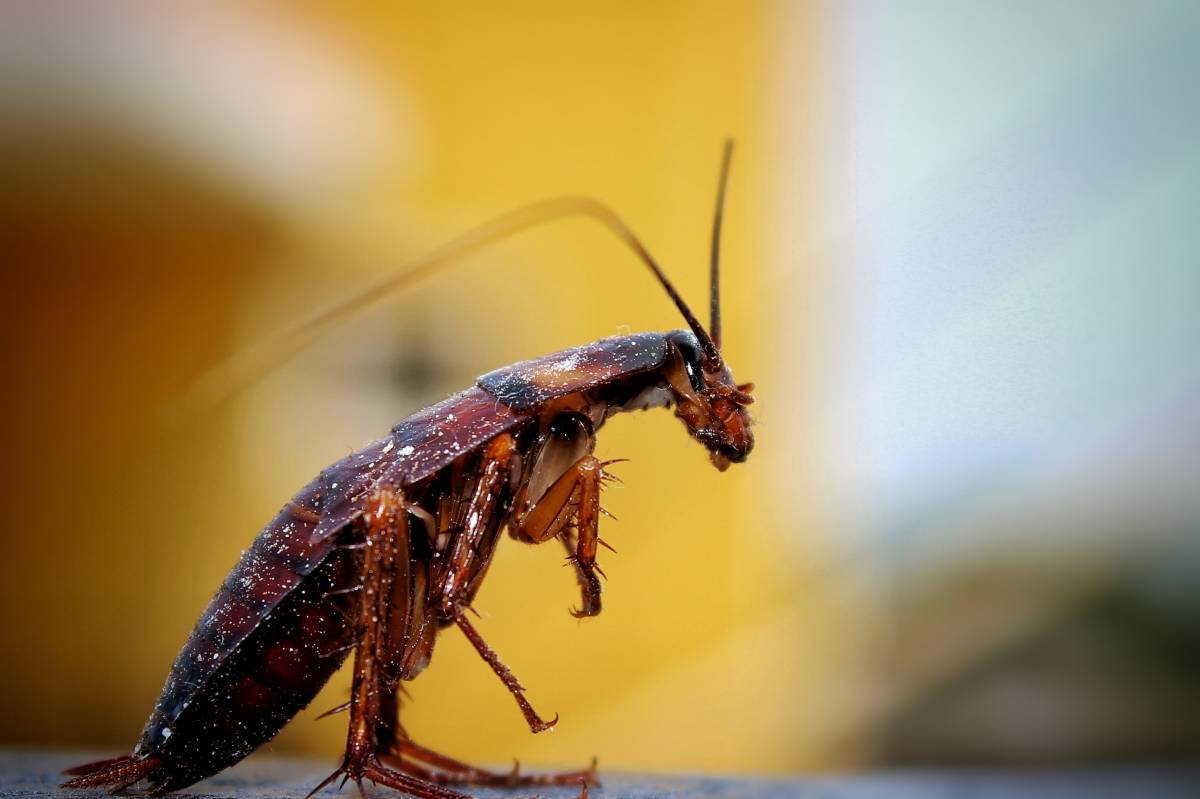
(542, 726)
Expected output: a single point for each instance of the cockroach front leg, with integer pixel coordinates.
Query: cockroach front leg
(574, 496)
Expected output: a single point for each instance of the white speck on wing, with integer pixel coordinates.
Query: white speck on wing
(406, 451)
(568, 364)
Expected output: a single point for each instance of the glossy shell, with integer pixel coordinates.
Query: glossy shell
(282, 622)
(523, 386)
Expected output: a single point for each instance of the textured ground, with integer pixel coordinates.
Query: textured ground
(36, 774)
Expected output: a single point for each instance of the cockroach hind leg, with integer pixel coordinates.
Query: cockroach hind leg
(380, 774)
(446, 770)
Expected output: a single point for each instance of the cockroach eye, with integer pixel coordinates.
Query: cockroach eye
(689, 349)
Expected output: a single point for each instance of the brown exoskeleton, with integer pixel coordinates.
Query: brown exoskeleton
(388, 546)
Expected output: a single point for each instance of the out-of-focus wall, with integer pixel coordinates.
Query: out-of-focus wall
(1006, 384)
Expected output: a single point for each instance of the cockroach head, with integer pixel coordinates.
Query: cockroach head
(708, 401)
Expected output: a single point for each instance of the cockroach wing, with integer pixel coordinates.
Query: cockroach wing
(526, 385)
(281, 604)
(435, 437)
(501, 400)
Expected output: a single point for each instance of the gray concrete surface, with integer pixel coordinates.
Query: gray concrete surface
(36, 774)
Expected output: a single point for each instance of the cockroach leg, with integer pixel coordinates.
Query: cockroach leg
(574, 495)
(404, 747)
(402, 753)
(416, 786)
(464, 560)
(386, 526)
(454, 772)
(535, 722)
(386, 521)
(377, 773)
(484, 504)
(588, 524)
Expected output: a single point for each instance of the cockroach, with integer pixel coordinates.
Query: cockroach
(388, 546)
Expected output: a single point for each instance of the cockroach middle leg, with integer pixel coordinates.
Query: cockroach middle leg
(536, 723)
(465, 562)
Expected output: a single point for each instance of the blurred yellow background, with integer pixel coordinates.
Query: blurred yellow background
(958, 293)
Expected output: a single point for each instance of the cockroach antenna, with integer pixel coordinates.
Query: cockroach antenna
(606, 216)
(240, 371)
(714, 324)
